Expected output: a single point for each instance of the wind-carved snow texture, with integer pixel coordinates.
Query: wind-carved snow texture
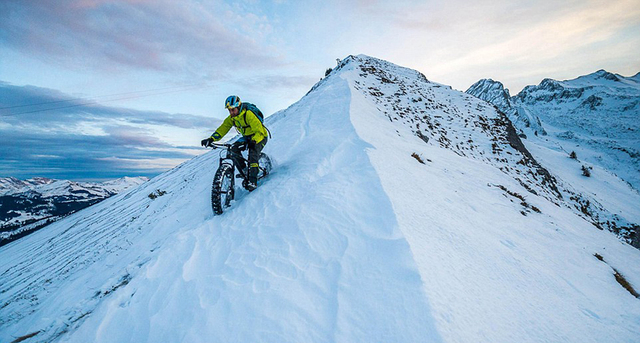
(350, 239)
(596, 117)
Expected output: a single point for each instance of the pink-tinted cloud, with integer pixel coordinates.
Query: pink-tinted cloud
(174, 36)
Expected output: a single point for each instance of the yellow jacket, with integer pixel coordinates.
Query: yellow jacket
(246, 123)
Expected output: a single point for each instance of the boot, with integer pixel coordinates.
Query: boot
(253, 174)
(252, 179)
(250, 186)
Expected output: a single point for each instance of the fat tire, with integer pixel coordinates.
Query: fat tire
(223, 179)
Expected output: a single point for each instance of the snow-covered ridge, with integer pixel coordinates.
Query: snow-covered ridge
(456, 121)
(600, 78)
(398, 210)
(472, 129)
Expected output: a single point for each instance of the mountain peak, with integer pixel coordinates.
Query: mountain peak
(389, 72)
(384, 71)
(606, 75)
(487, 89)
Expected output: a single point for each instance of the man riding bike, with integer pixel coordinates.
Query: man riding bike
(247, 119)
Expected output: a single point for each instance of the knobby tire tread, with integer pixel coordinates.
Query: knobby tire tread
(224, 171)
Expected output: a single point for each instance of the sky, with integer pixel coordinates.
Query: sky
(97, 89)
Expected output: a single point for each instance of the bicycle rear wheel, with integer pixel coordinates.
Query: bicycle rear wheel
(265, 165)
(222, 190)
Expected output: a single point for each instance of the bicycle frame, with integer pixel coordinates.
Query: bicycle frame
(228, 159)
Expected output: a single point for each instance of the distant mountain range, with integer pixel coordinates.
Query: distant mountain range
(27, 205)
(597, 116)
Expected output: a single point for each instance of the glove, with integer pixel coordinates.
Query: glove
(206, 142)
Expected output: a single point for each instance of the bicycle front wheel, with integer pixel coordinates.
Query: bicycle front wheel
(222, 190)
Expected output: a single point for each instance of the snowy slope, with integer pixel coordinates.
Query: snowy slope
(351, 239)
(594, 117)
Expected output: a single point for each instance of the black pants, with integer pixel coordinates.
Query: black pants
(254, 155)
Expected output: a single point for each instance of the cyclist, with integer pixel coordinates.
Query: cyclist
(247, 119)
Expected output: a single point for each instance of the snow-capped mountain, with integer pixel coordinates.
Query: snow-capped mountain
(52, 187)
(495, 93)
(596, 115)
(10, 185)
(398, 210)
(28, 205)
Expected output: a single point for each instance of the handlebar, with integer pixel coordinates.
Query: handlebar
(219, 145)
(223, 145)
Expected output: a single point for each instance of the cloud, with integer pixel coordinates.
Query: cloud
(561, 32)
(193, 38)
(71, 156)
(518, 42)
(272, 52)
(278, 81)
(26, 105)
(89, 141)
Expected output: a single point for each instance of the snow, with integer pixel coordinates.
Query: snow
(51, 187)
(350, 239)
(604, 186)
(11, 185)
(43, 199)
(594, 116)
(501, 276)
(494, 93)
(104, 189)
(598, 112)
